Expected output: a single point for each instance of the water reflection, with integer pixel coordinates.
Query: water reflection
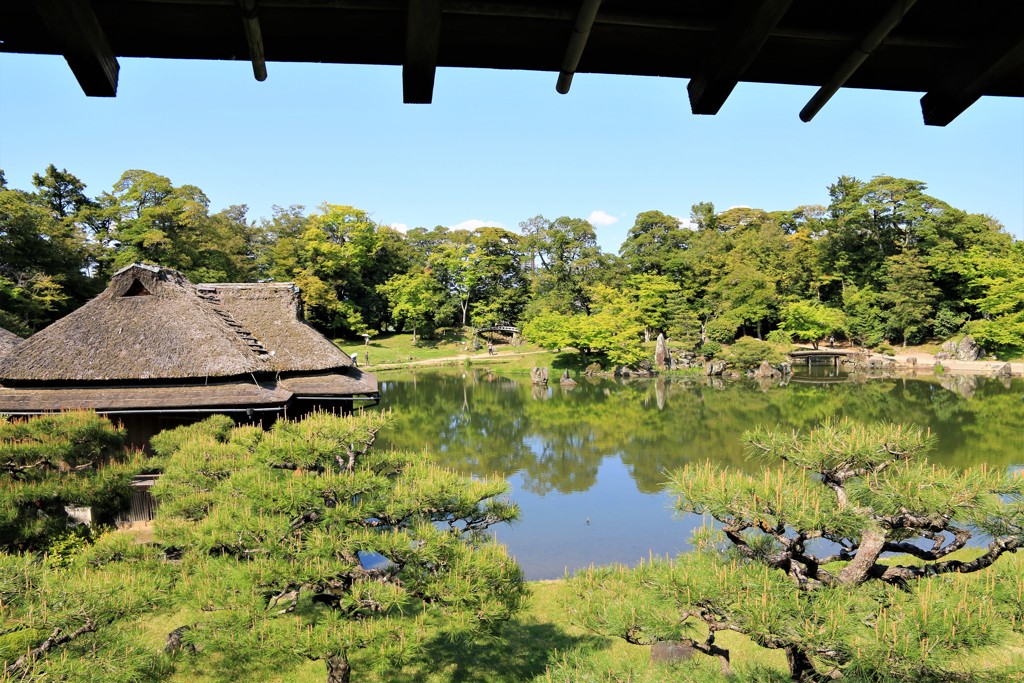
(601, 450)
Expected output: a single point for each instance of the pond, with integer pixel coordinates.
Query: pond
(589, 465)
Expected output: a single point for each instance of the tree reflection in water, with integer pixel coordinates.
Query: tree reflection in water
(600, 451)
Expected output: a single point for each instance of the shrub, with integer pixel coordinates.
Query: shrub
(780, 337)
(948, 322)
(710, 349)
(748, 352)
(885, 349)
(721, 330)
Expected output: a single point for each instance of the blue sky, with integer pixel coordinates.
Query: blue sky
(496, 147)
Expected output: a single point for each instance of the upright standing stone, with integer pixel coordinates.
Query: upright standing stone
(662, 356)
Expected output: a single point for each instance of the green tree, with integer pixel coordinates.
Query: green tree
(811, 321)
(50, 462)
(565, 260)
(305, 542)
(43, 253)
(653, 244)
(865, 321)
(338, 257)
(414, 298)
(502, 291)
(998, 286)
(909, 295)
(865, 489)
(81, 622)
(658, 302)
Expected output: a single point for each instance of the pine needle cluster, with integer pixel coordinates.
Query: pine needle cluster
(849, 552)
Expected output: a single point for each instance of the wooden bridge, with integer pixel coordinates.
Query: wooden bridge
(506, 329)
(816, 356)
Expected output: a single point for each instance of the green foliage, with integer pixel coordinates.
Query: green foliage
(414, 298)
(811, 321)
(780, 338)
(710, 349)
(909, 295)
(53, 461)
(948, 322)
(303, 541)
(63, 548)
(748, 352)
(866, 490)
(78, 619)
(721, 330)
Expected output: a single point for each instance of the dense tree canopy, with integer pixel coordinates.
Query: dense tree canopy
(895, 263)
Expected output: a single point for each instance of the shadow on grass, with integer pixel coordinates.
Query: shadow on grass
(522, 654)
(572, 361)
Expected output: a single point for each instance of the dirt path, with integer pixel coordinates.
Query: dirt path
(970, 367)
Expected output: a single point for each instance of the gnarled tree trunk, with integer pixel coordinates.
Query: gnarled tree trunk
(338, 670)
(801, 668)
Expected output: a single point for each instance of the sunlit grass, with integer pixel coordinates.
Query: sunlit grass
(388, 351)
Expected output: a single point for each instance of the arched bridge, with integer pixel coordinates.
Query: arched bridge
(507, 329)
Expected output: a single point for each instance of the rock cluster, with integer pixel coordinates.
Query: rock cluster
(967, 349)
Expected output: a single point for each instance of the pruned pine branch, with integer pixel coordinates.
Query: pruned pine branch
(23, 664)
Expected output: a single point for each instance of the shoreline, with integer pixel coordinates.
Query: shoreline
(926, 361)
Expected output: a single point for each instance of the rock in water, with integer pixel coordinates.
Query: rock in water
(714, 368)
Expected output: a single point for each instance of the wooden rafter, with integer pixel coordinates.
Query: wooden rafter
(940, 107)
(422, 39)
(736, 47)
(254, 37)
(83, 43)
(857, 57)
(577, 43)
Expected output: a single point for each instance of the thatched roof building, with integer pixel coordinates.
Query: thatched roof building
(8, 340)
(154, 342)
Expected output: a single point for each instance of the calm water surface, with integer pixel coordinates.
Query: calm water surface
(588, 465)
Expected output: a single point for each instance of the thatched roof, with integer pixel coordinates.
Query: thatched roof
(270, 312)
(8, 340)
(348, 382)
(151, 323)
(143, 398)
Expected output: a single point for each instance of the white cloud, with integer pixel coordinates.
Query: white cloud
(601, 218)
(474, 223)
(400, 227)
(686, 223)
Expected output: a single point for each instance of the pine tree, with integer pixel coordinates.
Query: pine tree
(841, 553)
(304, 542)
(50, 462)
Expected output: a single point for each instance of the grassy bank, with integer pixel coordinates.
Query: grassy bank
(541, 636)
(392, 351)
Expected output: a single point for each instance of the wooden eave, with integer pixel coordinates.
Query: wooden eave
(952, 51)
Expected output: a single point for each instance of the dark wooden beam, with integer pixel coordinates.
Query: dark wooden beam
(84, 45)
(940, 107)
(422, 39)
(577, 43)
(254, 37)
(736, 47)
(853, 61)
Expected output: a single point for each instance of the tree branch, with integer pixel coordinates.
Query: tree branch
(21, 665)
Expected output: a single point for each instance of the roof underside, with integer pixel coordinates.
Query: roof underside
(955, 52)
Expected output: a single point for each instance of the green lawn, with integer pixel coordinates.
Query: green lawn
(540, 636)
(389, 351)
